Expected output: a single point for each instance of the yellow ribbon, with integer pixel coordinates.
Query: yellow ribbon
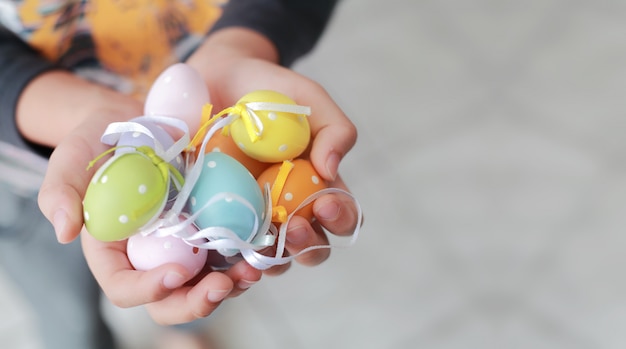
(164, 167)
(251, 122)
(246, 111)
(205, 121)
(279, 213)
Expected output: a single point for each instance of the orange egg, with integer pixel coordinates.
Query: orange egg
(225, 144)
(291, 182)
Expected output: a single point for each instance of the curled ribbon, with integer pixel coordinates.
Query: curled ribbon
(263, 262)
(222, 239)
(193, 172)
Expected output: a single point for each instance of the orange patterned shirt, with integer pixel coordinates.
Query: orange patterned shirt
(123, 44)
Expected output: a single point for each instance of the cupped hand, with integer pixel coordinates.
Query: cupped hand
(232, 71)
(170, 293)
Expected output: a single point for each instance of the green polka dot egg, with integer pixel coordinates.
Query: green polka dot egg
(127, 192)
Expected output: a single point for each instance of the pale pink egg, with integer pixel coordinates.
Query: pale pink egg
(179, 91)
(149, 252)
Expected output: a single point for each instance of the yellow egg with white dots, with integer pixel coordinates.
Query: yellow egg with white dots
(270, 127)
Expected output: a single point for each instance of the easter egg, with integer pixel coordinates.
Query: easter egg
(284, 135)
(151, 251)
(224, 178)
(126, 193)
(291, 183)
(179, 91)
(225, 144)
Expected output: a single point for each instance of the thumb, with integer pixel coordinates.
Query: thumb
(333, 134)
(66, 180)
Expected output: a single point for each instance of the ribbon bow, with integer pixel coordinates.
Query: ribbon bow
(252, 122)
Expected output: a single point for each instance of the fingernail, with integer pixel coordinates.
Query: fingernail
(173, 280)
(59, 221)
(329, 212)
(215, 296)
(332, 165)
(245, 284)
(296, 235)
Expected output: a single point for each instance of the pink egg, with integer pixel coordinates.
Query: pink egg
(178, 92)
(149, 252)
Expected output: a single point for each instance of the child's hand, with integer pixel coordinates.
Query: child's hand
(168, 301)
(169, 295)
(237, 61)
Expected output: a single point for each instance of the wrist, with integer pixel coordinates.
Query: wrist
(235, 42)
(225, 54)
(228, 46)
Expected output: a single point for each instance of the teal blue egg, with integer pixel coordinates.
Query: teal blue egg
(223, 176)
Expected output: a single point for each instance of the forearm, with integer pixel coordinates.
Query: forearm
(55, 102)
(41, 103)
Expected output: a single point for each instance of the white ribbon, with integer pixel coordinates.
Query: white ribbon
(114, 130)
(228, 243)
(222, 239)
(263, 262)
(193, 173)
(251, 107)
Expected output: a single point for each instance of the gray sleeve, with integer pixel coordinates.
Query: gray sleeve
(294, 26)
(18, 65)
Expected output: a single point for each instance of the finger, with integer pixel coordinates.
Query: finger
(278, 269)
(244, 276)
(335, 212)
(300, 235)
(123, 285)
(188, 303)
(333, 134)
